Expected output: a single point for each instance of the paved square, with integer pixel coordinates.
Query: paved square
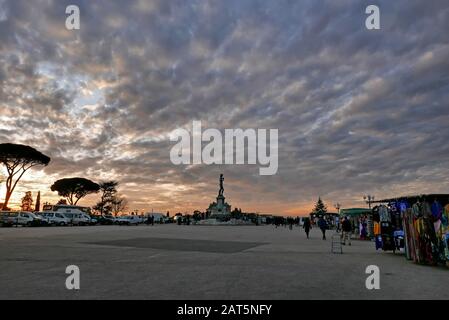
(202, 262)
(182, 244)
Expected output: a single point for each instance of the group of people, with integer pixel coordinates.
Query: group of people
(346, 228)
(322, 224)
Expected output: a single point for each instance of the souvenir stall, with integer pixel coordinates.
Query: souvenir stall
(361, 220)
(388, 230)
(419, 223)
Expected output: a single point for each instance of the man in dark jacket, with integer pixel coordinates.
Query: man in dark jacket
(346, 227)
(307, 226)
(323, 226)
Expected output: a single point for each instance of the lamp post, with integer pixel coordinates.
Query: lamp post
(337, 206)
(368, 199)
(337, 224)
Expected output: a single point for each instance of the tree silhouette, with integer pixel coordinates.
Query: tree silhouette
(74, 189)
(27, 202)
(109, 191)
(38, 202)
(320, 209)
(118, 204)
(18, 159)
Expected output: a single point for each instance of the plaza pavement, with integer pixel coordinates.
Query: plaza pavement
(202, 262)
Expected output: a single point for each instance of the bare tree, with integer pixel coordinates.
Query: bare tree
(118, 205)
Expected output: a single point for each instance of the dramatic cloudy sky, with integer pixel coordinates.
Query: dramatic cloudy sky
(358, 111)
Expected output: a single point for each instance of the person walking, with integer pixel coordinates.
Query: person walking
(323, 226)
(307, 226)
(290, 223)
(346, 228)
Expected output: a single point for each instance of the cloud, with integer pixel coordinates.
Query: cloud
(357, 111)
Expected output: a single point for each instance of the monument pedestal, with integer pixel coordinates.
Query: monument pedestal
(220, 210)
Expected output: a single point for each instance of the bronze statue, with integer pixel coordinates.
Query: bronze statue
(220, 192)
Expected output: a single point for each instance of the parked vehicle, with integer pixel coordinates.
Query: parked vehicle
(45, 220)
(56, 218)
(65, 208)
(105, 220)
(7, 218)
(121, 220)
(92, 221)
(29, 219)
(78, 219)
(79, 216)
(129, 220)
(87, 220)
(136, 219)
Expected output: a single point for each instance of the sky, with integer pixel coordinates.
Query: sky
(358, 111)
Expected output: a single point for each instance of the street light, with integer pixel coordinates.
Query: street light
(337, 206)
(368, 199)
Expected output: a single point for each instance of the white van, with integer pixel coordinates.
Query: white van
(56, 218)
(79, 215)
(29, 219)
(128, 220)
(78, 219)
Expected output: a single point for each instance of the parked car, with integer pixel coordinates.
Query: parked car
(8, 219)
(78, 219)
(121, 220)
(129, 220)
(92, 221)
(29, 219)
(56, 218)
(45, 220)
(105, 219)
(83, 219)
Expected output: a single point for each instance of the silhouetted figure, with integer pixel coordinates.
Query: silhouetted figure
(152, 220)
(307, 226)
(346, 227)
(322, 224)
(290, 223)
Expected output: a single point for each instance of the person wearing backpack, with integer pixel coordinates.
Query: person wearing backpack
(322, 224)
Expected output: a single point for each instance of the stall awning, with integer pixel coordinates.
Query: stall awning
(443, 198)
(354, 211)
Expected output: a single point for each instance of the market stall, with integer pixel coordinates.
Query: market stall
(423, 223)
(361, 220)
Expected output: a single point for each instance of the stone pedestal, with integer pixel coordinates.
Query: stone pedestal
(220, 210)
